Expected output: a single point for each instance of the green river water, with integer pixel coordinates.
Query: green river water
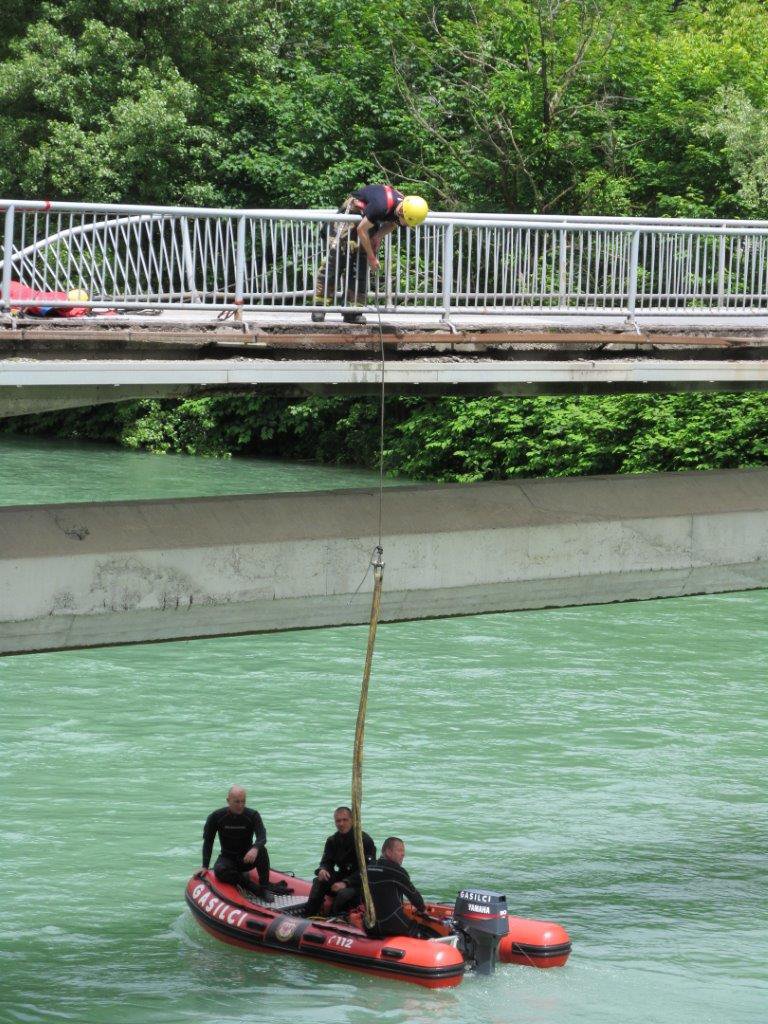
(604, 766)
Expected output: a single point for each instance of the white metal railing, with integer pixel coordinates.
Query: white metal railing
(136, 257)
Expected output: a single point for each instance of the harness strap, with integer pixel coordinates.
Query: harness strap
(391, 201)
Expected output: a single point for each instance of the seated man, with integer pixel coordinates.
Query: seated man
(242, 838)
(389, 882)
(339, 860)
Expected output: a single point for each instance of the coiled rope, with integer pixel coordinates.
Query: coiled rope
(378, 576)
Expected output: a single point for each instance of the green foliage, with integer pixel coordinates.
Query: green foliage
(596, 106)
(456, 439)
(741, 128)
(451, 439)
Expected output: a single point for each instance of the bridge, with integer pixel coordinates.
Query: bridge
(480, 303)
(186, 300)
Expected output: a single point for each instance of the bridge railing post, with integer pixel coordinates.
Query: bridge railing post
(447, 270)
(563, 270)
(721, 272)
(189, 264)
(634, 253)
(386, 278)
(240, 268)
(5, 297)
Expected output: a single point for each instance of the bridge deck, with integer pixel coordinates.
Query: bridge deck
(53, 364)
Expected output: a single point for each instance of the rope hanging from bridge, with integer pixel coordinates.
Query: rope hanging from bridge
(357, 756)
(378, 577)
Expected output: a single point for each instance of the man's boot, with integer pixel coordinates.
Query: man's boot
(280, 888)
(318, 316)
(259, 891)
(353, 318)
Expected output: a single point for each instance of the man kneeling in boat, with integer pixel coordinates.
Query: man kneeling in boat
(243, 839)
(389, 882)
(339, 859)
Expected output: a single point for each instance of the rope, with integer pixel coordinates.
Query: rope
(381, 409)
(357, 757)
(378, 576)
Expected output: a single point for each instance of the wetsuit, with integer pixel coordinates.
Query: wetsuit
(237, 833)
(389, 882)
(347, 260)
(339, 860)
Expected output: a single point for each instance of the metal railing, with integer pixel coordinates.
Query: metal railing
(134, 257)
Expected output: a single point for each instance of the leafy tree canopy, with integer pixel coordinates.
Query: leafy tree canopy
(610, 106)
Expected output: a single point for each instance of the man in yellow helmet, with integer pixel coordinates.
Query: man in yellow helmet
(352, 247)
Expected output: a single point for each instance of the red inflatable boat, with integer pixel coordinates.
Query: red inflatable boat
(472, 934)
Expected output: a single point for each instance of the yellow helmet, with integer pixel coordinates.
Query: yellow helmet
(415, 209)
(77, 295)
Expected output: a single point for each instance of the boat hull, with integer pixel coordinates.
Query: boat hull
(529, 943)
(231, 917)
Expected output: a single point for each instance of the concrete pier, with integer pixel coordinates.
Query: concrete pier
(130, 572)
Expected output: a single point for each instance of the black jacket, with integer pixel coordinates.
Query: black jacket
(339, 854)
(388, 882)
(237, 833)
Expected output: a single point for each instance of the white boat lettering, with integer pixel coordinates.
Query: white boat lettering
(217, 907)
(475, 908)
(476, 897)
(339, 940)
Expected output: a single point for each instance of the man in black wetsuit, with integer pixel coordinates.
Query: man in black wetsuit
(389, 882)
(243, 838)
(339, 859)
(352, 248)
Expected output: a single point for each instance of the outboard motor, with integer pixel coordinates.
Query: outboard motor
(481, 918)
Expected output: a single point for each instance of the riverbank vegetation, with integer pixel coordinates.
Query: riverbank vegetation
(451, 438)
(621, 107)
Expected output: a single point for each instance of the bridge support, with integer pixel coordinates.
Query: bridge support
(75, 576)
(32, 401)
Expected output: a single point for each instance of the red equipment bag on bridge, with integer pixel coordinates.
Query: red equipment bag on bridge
(23, 291)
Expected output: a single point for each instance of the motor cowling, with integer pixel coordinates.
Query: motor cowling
(481, 918)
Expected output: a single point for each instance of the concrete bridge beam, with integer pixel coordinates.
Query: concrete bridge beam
(30, 386)
(86, 575)
(22, 401)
